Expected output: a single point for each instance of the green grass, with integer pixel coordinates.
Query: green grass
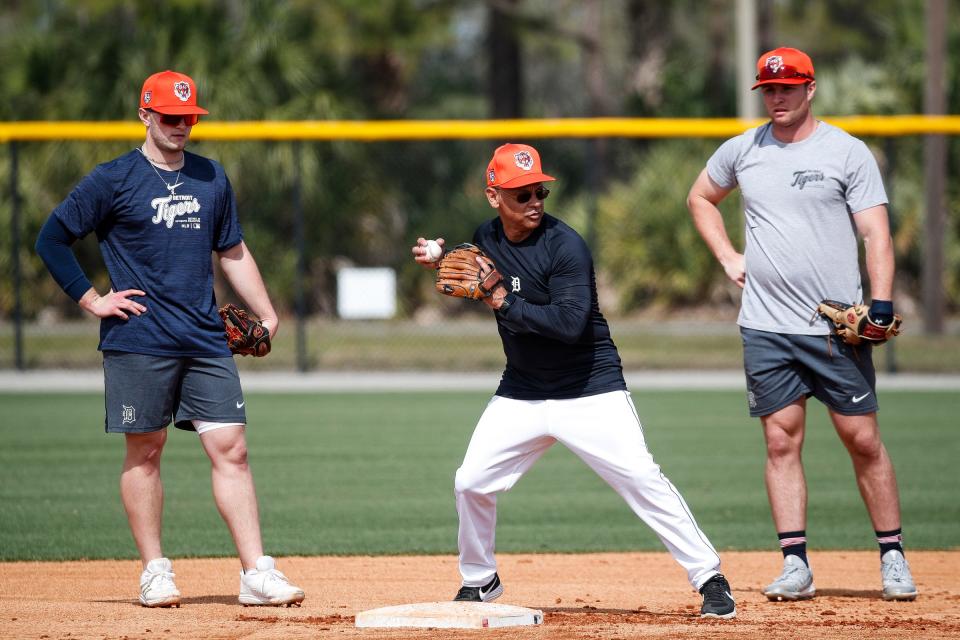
(373, 474)
(440, 345)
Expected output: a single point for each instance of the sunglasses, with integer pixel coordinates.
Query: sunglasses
(188, 119)
(524, 196)
(784, 72)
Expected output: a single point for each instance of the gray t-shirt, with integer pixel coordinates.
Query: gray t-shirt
(799, 201)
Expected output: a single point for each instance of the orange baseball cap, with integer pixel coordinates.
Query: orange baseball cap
(171, 93)
(784, 66)
(515, 165)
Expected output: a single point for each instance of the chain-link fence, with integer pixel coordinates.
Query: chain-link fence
(312, 208)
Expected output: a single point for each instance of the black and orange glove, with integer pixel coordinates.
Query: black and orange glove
(246, 336)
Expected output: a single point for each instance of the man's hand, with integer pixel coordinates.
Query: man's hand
(271, 325)
(499, 292)
(115, 303)
(419, 251)
(736, 269)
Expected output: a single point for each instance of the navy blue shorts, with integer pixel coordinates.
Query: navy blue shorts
(781, 368)
(144, 393)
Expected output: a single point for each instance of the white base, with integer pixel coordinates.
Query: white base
(460, 615)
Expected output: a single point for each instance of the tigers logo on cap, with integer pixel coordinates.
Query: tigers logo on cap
(523, 160)
(784, 65)
(182, 90)
(171, 93)
(515, 165)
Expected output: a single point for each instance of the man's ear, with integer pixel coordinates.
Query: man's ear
(811, 89)
(492, 197)
(144, 116)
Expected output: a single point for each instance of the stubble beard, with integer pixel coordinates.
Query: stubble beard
(166, 144)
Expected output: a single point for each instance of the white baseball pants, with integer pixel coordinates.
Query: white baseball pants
(602, 430)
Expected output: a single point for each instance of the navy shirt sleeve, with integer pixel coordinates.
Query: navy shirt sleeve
(87, 205)
(228, 233)
(53, 247)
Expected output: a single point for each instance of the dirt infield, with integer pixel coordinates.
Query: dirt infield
(607, 596)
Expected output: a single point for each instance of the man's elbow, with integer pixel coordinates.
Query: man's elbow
(571, 332)
(45, 242)
(236, 252)
(695, 200)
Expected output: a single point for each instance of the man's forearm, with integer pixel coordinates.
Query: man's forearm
(709, 223)
(242, 273)
(880, 266)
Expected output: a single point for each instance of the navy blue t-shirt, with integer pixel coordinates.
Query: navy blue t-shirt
(557, 342)
(160, 241)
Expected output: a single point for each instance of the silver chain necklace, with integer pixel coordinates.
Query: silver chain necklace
(170, 187)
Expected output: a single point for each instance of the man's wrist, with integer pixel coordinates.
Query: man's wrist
(881, 311)
(505, 303)
(88, 299)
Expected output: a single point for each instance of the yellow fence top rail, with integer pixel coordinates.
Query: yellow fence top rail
(378, 130)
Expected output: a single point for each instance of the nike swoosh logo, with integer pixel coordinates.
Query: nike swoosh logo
(857, 399)
(172, 187)
(493, 586)
(240, 404)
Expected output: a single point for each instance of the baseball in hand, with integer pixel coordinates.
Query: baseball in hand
(432, 250)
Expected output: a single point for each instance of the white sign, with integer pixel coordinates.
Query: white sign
(366, 293)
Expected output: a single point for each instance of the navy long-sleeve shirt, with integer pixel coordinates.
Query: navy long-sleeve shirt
(557, 343)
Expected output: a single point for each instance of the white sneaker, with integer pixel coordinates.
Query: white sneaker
(265, 586)
(897, 582)
(157, 588)
(795, 583)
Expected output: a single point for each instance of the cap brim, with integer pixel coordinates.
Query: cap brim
(525, 179)
(781, 81)
(180, 110)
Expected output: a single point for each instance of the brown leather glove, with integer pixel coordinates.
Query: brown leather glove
(460, 275)
(853, 324)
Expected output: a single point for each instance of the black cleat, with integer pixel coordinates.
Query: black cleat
(487, 593)
(717, 600)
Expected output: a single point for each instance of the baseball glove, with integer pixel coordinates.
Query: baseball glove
(853, 324)
(245, 335)
(459, 274)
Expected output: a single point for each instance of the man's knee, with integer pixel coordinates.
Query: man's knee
(469, 481)
(226, 447)
(865, 445)
(145, 448)
(782, 446)
(233, 454)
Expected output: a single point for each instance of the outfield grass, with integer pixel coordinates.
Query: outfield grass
(373, 474)
(440, 345)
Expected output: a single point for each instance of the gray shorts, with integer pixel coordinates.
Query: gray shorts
(781, 368)
(144, 393)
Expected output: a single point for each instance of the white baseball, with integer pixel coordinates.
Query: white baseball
(432, 250)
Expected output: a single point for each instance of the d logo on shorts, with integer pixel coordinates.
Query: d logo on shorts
(129, 414)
